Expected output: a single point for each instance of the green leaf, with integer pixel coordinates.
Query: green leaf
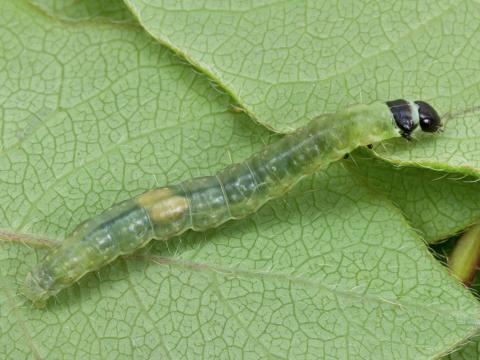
(91, 114)
(467, 352)
(437, 203)
(112, 10)
(285, 62)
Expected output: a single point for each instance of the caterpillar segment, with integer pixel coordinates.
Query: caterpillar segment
(233, 193)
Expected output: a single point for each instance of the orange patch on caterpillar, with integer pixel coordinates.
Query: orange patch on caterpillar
(153, 196)
(162, 206)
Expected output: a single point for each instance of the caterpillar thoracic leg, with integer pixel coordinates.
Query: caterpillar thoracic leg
(233, 193)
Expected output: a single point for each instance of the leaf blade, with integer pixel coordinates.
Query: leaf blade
(104, 143)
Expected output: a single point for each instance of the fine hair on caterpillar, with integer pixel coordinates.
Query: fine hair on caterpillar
(235, 192)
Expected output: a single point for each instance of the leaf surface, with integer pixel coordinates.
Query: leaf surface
(112, 10)
(437, 203)
(285, 62)
(93, 114)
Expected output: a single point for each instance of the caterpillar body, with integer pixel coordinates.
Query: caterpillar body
(233, 193)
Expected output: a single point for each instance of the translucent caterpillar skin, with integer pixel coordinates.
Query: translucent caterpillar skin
(233, 193)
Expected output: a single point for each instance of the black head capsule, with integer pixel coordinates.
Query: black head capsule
(429, 118)
(408, 115)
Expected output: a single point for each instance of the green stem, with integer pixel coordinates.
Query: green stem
(465, 258)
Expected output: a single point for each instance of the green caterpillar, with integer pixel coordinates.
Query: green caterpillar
(233, 193)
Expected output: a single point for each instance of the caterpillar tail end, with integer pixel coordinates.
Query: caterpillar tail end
(96, 242)
(36, 288)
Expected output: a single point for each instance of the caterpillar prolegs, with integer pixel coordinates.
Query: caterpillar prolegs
(233, 193)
